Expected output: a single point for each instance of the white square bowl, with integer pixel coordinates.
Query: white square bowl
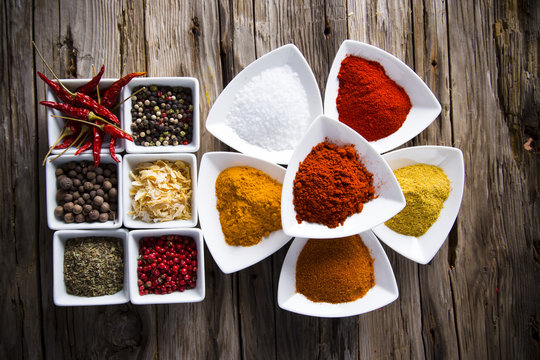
(60, 295)
(383, 293)
(422, 249)
(190, 295)
(389, 197)
(186, 82)
(233, 258)
(425, 106)
(130, 164)
(51, 188)
(216, 121)
(55, 125)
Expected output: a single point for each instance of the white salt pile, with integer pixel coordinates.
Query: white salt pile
(271, 110)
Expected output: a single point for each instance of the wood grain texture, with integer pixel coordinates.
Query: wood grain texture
(20, 334)
(479, 296)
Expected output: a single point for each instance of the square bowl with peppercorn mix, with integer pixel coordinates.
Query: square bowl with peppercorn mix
(55, 125)
(160, 191)
(166, 266)
(162, 114)
(81, 196)
(87, 263)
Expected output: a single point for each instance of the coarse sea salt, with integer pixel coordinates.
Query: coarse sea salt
(271, 111)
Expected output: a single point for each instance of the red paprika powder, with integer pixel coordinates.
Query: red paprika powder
(368, 100)
(330, 185)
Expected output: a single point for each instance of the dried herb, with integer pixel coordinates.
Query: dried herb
(93, 266)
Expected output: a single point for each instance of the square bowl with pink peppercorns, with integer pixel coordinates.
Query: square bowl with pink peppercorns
(166, 266)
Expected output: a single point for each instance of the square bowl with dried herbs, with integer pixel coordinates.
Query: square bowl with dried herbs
(90, 267)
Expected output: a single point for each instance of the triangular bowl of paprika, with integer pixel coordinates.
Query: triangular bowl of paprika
(378, 95)
(383, 291)
(336, 184)
(422, 248)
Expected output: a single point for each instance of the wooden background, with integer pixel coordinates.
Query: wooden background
(478, 298)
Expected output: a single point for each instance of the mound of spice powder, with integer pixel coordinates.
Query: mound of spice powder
(368, 100)
(426, 188)
(334, 270)
(330, 185)
(249, 205)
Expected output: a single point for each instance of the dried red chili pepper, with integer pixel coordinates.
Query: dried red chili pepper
(67, 142)
(116, 132)
(85, 147)
(96, 150)
(110, 97)
(90, 86)
(112, 149)
(70, 110)
(79, 99)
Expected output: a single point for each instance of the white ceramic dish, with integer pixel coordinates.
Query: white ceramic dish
(285, 55)
(186, 82)
(232, 258)
(54, 125)
(130, 164)
(60, 296)
(425, 106)
(389, 200)
(422, 249)
(191, 295)
(383, 293)
(50, 182)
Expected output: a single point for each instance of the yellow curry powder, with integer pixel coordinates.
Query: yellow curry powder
(249, 205)
(425, 187)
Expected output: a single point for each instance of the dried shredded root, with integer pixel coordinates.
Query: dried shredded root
(161, 191)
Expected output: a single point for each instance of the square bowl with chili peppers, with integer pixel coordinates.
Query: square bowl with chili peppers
(378, 95)
(162, 114)
(336, 184)
(166, 266)
(423, 216)
(82, 196)
(160, 191)
(90, 267)
(382, 292)
(56, 125)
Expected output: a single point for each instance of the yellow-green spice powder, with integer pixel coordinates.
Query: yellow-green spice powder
(425, 187)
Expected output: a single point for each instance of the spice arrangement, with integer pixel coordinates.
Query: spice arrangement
(425, 187)
(334, 270)
(166, 264)
(249, 203)
(161, 191)
(368, 100)
(271, 110)
(86, 193)
(162, 116)
(331, 184)
(93, 266)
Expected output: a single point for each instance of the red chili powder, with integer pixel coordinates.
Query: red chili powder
(368, 100)
(330, 185)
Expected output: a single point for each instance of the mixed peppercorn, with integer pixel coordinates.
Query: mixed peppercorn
(165, 264)
(162, 116)
(86, 193)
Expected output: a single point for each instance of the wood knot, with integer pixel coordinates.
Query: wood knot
(195, 27)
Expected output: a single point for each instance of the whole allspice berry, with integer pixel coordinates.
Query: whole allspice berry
(113, 193)
(98, 201)
(65, 182)
(68, 207)
(59, 211)
(69, 218)
(103, 217)
(68, 197)
(107, 185)
(86, 209)
(93, 215)
(77, 209)
(79, 218)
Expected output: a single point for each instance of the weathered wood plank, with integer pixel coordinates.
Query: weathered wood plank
(494, 79)
(20, 334)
